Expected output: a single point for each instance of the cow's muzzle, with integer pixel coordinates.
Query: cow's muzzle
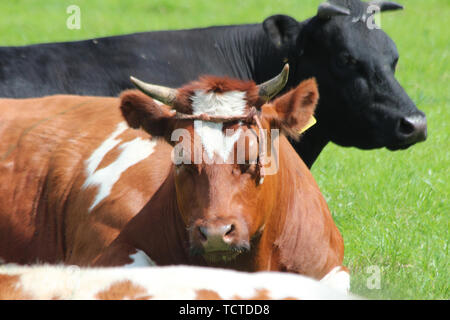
(410, 130)
(219, 242)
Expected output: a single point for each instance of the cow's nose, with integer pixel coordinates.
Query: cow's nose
(413, 129)
(216, 237)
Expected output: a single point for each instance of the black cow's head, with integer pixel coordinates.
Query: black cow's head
(362, 104)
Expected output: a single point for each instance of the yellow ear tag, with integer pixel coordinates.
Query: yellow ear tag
(310, 123)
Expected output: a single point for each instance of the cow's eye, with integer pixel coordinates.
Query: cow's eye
(187, 168)
(345, 59)
(247, 168)
(394, 64)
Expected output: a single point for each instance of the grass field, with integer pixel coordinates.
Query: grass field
(391, 207)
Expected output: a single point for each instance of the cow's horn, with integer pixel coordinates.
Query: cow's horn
(270, 88)
(327, 10)
(163, 94)
(386, 5)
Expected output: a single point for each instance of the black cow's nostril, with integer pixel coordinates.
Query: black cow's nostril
(406, 126)
(413, 129)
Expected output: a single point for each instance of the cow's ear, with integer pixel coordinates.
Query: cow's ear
(141, 111)
(293, 111)
(282, 30)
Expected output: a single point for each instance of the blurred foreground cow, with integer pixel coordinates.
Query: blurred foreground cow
(78, 186)
(362, 104)
(45, 282)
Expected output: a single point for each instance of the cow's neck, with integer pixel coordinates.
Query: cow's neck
(311, 144)
(158, 229)
(288, 243)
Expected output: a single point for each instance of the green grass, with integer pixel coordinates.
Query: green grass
(391, 207)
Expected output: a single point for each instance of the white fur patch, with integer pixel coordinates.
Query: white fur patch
(97, 156)
(172, 282)
(230, 103)
(132, 153)
(337, 279)
(140, 259)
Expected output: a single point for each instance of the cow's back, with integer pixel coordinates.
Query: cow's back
(174, 282)
(34, 135)
(102, 66)
(46, 148)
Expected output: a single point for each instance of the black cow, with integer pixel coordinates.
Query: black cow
(361, 102)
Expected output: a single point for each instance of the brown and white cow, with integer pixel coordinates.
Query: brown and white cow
(217, 211)
(45, 282)
(78, 186)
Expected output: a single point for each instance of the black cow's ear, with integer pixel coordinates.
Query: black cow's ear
(282, 30)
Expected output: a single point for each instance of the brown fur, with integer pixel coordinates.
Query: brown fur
(204, 294)
(43, 209)
(141, 111)
(122, 290)
(10, 288)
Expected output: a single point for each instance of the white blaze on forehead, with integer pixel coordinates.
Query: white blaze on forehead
(132, 152)
(231, 103)
(214, 140)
